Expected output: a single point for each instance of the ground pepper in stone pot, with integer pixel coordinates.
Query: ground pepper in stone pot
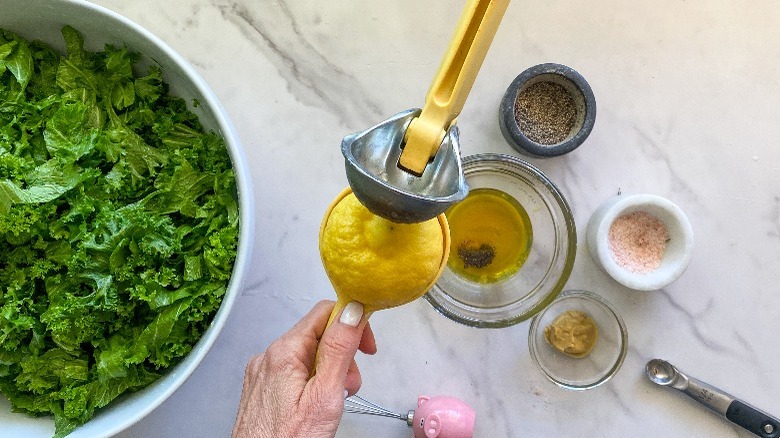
(548, 110)
(545, 112)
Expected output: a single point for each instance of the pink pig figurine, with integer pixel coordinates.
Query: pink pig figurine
(442, 417)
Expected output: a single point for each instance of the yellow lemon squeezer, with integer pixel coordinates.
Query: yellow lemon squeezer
(408, 168)
(405, 172)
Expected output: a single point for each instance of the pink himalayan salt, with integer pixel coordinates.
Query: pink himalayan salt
(638, 241)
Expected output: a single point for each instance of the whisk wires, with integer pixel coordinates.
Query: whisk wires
(358, 405)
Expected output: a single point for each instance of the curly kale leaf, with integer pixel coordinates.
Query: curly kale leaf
(118, 227)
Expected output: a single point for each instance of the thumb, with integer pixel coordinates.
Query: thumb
(338, 346)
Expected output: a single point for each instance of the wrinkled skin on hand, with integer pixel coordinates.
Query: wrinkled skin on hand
(279, 399)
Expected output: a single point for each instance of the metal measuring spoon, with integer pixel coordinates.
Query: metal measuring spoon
(738, 412)
(408, 168)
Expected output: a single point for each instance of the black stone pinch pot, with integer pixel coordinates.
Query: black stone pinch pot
(579, 90)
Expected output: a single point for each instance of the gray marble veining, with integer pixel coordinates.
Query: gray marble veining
(688, 96)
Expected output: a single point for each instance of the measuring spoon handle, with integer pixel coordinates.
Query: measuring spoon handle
(706, 394)
(735, 410)
(760, 423)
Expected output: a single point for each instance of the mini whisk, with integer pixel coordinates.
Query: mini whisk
(441, 417)
(358, 405)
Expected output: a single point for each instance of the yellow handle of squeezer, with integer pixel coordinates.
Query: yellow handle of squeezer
(453, 81)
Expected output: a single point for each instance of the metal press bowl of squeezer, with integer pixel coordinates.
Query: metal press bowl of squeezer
(408, 168)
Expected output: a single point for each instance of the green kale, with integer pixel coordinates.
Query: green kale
(118, 227)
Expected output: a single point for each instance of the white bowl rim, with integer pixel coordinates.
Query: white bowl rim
(177, 375)
(677, 223)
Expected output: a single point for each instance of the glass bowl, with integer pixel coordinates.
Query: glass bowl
(603, 361)
(547, 267)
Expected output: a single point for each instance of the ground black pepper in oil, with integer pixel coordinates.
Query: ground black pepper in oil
(476, 257)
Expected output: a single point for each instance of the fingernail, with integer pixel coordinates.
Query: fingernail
(352, 314)
(346, 393)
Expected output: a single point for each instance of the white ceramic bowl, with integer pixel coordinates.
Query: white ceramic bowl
(678, 250)
(42, 20)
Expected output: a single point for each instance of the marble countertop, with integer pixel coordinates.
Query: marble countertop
(688, 99)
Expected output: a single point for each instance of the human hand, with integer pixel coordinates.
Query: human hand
(279, 399)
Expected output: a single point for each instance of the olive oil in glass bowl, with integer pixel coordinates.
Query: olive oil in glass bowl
(518, 220)
(492, 236)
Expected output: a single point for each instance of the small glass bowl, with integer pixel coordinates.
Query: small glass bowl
(603, 361)
(550, 260)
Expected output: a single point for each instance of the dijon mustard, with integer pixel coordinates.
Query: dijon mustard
(573, 333)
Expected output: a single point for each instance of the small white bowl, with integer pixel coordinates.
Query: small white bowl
(678, 249)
